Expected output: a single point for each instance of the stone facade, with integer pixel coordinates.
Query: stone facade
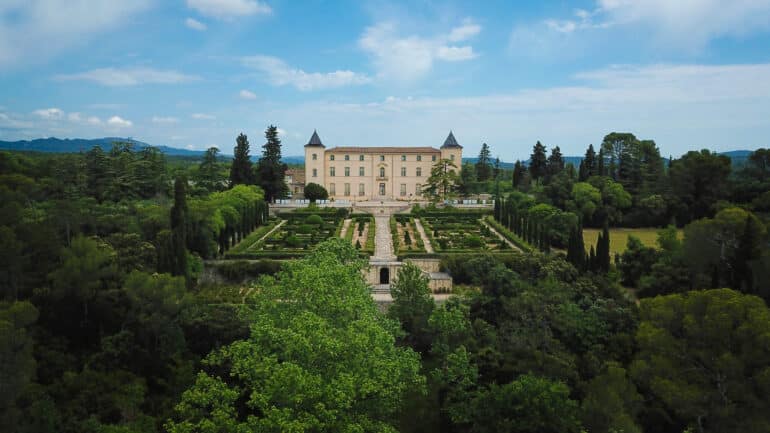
(375, 173)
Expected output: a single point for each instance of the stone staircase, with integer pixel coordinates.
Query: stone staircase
(383, 289)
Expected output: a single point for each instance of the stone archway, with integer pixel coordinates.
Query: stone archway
(384, 276)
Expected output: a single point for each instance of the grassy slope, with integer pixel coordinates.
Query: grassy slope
(619, 238)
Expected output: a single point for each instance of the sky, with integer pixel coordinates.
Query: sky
(689, 74)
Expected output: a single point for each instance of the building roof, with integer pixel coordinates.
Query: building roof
(297, 175)
(315, 140)
(361, 149)
(450, 142)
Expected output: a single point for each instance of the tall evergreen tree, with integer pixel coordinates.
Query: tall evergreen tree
(588, 165)
(518, 174)
(484, 164)
(240, 171)
(603, 250)
(600, 169)
(270, 168)
(178, 256)
(209, 176)
(538, 162)
(555, 162)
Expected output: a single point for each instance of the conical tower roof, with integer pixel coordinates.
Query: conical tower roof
(451, 142)
(315, 140)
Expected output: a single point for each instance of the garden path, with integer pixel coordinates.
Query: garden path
(345, 226)
(425, 239)
(383, 241)
(277, 226)
(510, 244)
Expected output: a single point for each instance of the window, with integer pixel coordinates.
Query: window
(419, 171)
(419, 157)
(360, 171)
(347, 157)
(382, 171)
(361, 189)
(360, 157)
(332, 189)
(433, 158)
(452, 157)
(403, 189)
(403, 171)
(403, 157)
(315, 172)
(347, 171)
(347, 189)
(382, 189)
(315, 156)
(331, 157)
(382, 157)
(418, 189)
(331, 171)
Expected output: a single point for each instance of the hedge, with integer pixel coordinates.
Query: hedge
(509, 235)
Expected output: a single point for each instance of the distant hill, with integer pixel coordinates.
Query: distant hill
(75, 145)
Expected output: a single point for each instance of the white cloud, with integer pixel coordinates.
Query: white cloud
(74, 117)
(164, 120)
(466, 31)
(32, 31)
(455, 54)
(119, 122)
(281, 74)
(406, 58)
(129, 76)
(666, 103)
(93, 120)
(49, 113)
(202, 116)
(679, 24)
(195, 24)
(227, 9)
(245, 94)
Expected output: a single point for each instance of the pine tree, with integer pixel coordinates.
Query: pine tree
(240, 171)
(749, 249)
(538, 162)
(270, 168)
(483, 165)
(178, 220)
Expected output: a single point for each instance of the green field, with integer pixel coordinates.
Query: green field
(619, 238)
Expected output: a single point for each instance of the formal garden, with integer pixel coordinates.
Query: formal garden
(460, 231)
(406, 238)
(291, 234)
(359, 231)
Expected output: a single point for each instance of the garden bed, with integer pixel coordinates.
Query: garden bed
(460, 231)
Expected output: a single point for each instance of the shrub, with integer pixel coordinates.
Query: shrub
(293, 241)
(306, 229)
(314, 219)
(239, 270)
(473, 241)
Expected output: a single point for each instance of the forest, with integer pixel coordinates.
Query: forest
(104, 326)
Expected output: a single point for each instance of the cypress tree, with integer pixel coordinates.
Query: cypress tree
(518, 174)
(600, 171)
(271, 169)
(592, 259)
(603, 250)
(538, 162)
(178, 216)
(240, 171)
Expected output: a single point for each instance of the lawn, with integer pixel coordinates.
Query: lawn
(619, 238)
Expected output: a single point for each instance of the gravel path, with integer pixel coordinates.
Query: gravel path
(345, 226)
(492, 229)
(383, 241)
(267, 234)
(425, 239)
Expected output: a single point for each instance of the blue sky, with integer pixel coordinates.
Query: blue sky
(194, 73)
